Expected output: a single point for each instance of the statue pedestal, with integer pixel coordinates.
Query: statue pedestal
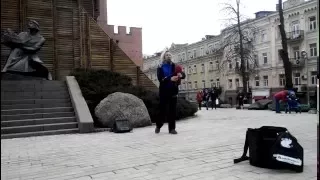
(10, 76)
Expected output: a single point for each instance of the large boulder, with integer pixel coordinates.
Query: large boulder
(122, 105)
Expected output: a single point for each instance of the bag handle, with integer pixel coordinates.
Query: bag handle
(244, 156)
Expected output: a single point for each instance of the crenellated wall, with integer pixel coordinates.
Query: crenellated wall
(73, 38)
(130, 43)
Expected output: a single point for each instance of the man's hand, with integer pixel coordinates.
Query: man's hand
(179, 75)
(174, 78)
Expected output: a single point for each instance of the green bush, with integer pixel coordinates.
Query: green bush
(98, 84)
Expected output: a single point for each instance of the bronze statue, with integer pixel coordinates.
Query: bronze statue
(23, 58)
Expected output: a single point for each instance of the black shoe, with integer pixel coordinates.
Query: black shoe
(173, 132)
(157, 130)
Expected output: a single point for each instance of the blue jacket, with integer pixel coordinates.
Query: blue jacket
(167, 87)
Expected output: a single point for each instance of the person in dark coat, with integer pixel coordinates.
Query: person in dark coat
(206, 98)
(168, 92)
(240, 98)
(213, 96)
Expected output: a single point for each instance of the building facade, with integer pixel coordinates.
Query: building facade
(201, 60)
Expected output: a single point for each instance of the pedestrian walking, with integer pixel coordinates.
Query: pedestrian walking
(240, 98)
(168, 92)
(213, 96)
(200, 98)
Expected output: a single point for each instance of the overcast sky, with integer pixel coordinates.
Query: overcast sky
(177, 21)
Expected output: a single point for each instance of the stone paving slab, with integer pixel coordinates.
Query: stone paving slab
(204, 149)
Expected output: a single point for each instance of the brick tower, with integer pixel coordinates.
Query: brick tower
(130, 43)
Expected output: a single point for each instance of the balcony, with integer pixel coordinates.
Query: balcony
(295, 36)
(297, 62)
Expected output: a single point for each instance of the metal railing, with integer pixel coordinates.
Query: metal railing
(295, 35)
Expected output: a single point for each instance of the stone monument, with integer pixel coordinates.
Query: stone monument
(23, 61)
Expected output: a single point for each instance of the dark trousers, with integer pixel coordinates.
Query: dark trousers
(240, 103)
(213, 104)
(168, 106)
(277, 101)
(200, 104)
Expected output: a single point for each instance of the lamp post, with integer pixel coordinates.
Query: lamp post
(304, 55)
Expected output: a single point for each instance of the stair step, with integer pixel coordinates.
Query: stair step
(36, 128)
(33, 106)
(28, 122)
(31, 88)
(36, 116)
(40, 133)
(35, 95)
(34, 101)
(36, 110)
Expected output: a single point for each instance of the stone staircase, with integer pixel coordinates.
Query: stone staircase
(35, 108)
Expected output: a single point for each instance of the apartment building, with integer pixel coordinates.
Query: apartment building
(201, 59)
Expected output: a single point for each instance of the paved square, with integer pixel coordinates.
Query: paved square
(204, 149)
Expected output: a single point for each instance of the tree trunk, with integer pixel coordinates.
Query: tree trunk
(242, 62)
(284, 52)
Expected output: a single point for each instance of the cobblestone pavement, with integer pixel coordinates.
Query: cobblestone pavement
(204, 149)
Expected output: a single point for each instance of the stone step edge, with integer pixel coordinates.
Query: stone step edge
(54, 124)
(34, 114)
(39, 119)
(7, 110)
(40, 133)
(32, 100)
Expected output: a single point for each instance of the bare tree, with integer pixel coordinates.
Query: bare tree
(237, 45)
(284, 51)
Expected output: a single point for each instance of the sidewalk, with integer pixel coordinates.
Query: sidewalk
(204, 149)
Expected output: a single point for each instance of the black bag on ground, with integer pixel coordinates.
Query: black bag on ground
(122, 126)
(273, 148)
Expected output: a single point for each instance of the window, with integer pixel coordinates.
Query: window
(297, 79)
(211, 66)
(313, 50)
(194, 53)
(202, 68)
(202, 51)
(212, 83)
(256, 59)
(295, 29)
(217, 65)
(183, 56)
(296, 53)
(279, 57)
(194, 69)
(195, 84)
(230, 65)
(237, 83)
(282, 80)
(230, 83)
(263, 36)
(189, 55)
(210, 48)
(238, 64)
(189, 70)
(190, 85)
(265, 58)
(203, 83)
(314, 77)
(265, 81)
(312, 23)
(257, 80)
(218, 83)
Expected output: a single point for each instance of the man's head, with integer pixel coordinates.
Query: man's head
(33, 25)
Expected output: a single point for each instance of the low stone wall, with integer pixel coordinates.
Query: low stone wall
(80, 106)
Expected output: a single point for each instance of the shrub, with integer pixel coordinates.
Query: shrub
(98, 84)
